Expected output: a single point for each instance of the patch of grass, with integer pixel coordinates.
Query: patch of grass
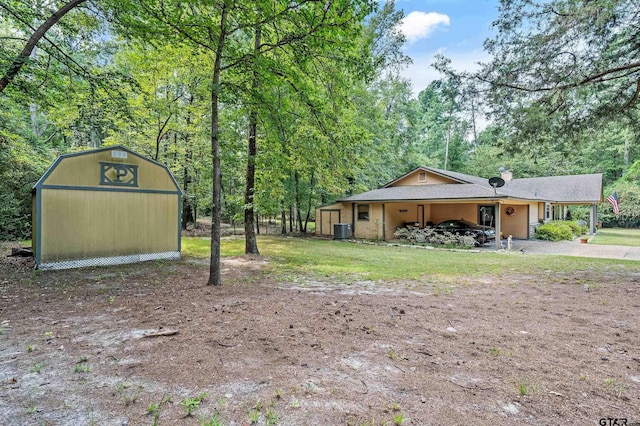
(191, 404)
(398, 419)
(129, 395)
(201, 247)
(495, 351)
(438, 290)
(154, 408)
(381, 262)
(254, 416)
(211, 420)
(617, 236)
(79, 368)
(394, 356)
(36, 368)
(270, 416)
(525, 388)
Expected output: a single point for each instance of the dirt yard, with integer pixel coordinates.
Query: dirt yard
(139, 344)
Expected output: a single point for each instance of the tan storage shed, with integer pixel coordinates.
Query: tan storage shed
(106, 206)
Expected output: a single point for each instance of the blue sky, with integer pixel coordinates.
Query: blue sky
(454, 28)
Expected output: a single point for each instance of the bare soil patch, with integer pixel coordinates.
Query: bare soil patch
(78, 347)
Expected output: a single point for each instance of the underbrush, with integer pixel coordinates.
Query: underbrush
(428, 236)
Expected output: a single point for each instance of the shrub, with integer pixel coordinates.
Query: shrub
(629, 200)
(575, 227)
(428, 236)
(554, 231)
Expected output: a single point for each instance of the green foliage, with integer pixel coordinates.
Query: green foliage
(539, 45)
(629, 203)
(556, 231)
(21, 165)
(191, 404)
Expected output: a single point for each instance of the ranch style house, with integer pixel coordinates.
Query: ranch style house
(427, 196)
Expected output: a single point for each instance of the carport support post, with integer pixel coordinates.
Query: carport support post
(497, 217)
(593, 217)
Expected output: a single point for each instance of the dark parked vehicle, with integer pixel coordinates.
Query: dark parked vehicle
(482, 234)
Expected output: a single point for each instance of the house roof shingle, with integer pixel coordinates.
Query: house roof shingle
(559, 189)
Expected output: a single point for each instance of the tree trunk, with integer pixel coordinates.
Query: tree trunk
(297, 197)
(283, 220)
(251, 243)
(306, 220)
(291, 217)
(473, 121)
(447, 140)
(214, 265)
(18, 62)
(257, 224)
(187, 209)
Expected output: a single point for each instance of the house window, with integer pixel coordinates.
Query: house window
(547, 211)
(363, 211)
(422, 177)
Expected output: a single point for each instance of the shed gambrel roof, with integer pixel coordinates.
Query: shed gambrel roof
(556, 189)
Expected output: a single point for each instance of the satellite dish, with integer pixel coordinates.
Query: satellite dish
(496, 182)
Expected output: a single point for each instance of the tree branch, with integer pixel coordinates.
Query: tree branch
(33, 41)
(598, 77)
(634, 98)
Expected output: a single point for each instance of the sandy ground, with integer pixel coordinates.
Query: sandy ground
(138, 344)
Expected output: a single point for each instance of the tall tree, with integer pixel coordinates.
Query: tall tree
(251, 243)
(577, 59)
(221, 28)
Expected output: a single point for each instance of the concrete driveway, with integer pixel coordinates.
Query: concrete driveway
(575, 248)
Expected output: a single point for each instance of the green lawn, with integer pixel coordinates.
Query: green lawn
(381, 262)
(617, 237)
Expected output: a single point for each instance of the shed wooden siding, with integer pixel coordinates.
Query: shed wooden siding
(84, 171)
(79, 216)
(85, 224)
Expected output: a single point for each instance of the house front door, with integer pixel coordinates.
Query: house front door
(487, 215)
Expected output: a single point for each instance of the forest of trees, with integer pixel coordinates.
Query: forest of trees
(269, 109)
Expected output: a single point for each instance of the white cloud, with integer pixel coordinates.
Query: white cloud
(418, 25)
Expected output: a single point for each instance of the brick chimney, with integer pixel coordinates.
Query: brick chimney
(506, 175)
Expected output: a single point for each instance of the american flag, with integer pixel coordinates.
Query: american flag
(613, 199)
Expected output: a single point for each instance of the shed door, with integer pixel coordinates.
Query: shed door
(329, 217)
